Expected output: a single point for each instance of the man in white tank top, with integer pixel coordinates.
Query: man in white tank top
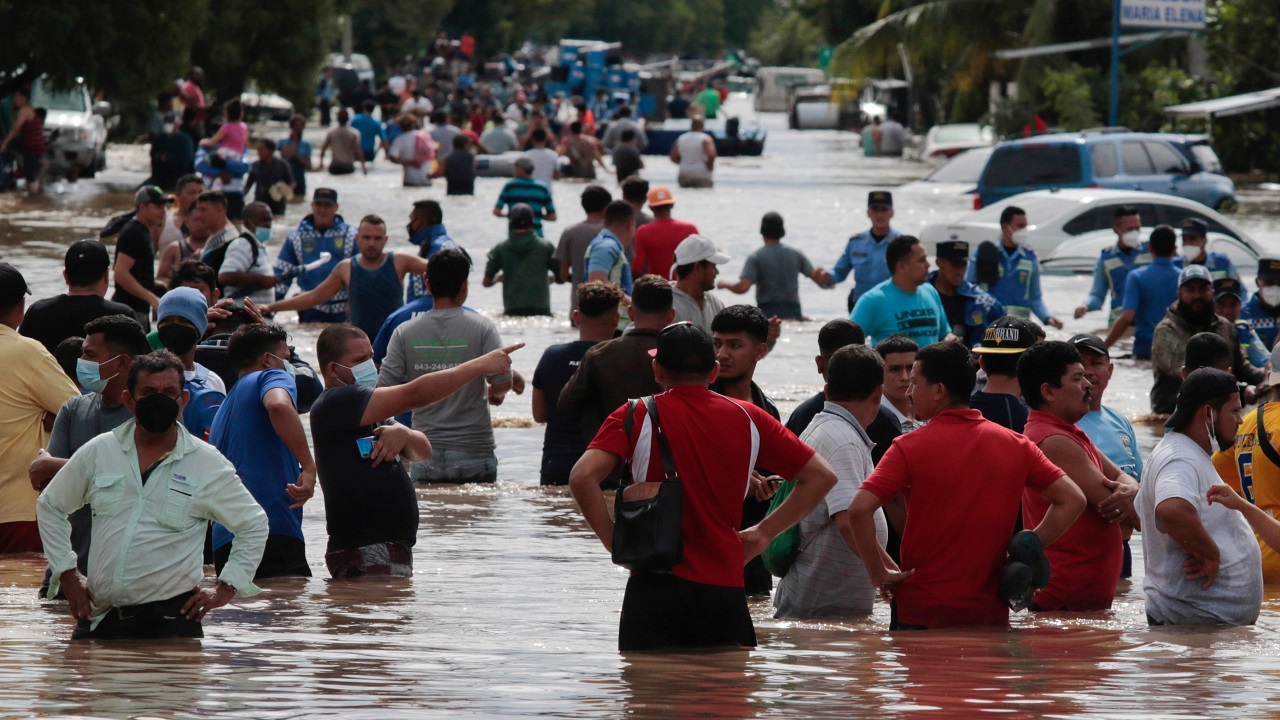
(695, 153)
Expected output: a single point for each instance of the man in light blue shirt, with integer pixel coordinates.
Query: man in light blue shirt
(1018, 287)
(606, 257)
(372, 134)
(904, 304)
(1148, 292)
(864, 253)
(1116, 262)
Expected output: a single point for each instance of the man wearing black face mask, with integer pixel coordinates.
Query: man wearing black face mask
(1192, 313)
(183, 318)
(146, 568)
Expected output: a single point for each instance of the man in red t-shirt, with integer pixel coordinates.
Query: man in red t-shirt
(715, 442)
(962, 477)
(1085, 562)
(656, 241)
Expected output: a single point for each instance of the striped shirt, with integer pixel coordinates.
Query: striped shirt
(531, 193)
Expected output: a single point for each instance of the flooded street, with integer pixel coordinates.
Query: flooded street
(513, 607)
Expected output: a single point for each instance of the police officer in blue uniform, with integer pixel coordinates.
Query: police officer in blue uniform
(1228, 301)
(1018, 287)
(1195, 241)
(1148, 292)
(969, 309)
(1116, 262)
(864, 253)
(1263, 309)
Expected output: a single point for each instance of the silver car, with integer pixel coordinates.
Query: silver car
(75, 128)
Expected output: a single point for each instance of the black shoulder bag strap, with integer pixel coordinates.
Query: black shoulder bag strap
(668, 462)
(628, 421)
(1264, 440)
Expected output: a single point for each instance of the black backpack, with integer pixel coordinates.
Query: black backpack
(215, 257)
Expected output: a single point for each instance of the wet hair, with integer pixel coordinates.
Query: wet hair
(431, 208)
(853, 373)
(1007, 364)
(1044, 362)
(1207, 349)
(154, 363)
(651, 295)
(1163, 241)
(747, 319)
(898, 250)
(635, 189)
(839, 333)
(68, 353)
(249, 342)
(268, 143)
(447, 271)
(460, 142)
(333, 340)
(628, 135)
(195, 271)
(372, 219)
(598, 297)
(595, 198)
(896, 344)
(214, 197)
(233, 110)
(121, 333)
(618, 212)
(1008, 214)
(1125, 211)
(950, 364)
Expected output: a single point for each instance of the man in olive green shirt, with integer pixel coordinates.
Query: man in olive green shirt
(522, 263)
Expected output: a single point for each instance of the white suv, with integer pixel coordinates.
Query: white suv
(75, 127)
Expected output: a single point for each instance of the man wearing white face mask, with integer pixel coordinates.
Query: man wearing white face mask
(1018, 287)
(1147, 294)
(1195, 250)
(371, 509)
(245, 270)
(1115, 263)
(1263, 309)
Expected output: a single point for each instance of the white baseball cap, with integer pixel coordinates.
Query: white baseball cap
(695, 248)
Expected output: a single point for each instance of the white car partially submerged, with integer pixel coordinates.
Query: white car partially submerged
(1069, 228)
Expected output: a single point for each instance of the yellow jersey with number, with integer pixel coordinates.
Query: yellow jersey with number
(1259, 478)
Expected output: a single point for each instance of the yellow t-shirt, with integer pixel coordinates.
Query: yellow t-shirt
(34, 384)
(1259, 478)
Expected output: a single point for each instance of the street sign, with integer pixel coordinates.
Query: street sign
(824, 56)
(1171, 14)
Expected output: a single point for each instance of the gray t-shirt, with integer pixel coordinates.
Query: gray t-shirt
(444, 135)
(81, 419)
(499, 139)
(1180, 468)
(687, 308)
(827, 577)
(239, 258)
(439, 340)
(573, 245)
(776, 271)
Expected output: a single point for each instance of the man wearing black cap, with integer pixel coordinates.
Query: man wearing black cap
(714, 443)
(969, 308)
(1263, 309)
(34, 389)
(135, 272)
(864, 253)
(1192, 313)
(84, 268)
(1195, 241)
(776, 268)
(521, 263)
(323, 232)
(1228, 301)
(1203, 565)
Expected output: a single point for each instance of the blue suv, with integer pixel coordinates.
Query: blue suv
(1182, 165)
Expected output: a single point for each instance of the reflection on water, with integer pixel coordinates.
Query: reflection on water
(513, 606)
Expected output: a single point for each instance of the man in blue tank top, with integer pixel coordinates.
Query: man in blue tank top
(373, 279)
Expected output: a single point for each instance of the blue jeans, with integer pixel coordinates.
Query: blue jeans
(457, 466)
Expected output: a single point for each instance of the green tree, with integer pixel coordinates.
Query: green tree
(786, 37)
(280, 46)
(389, 30)
(1069, 94)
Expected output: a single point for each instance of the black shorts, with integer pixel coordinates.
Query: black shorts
(661, 611)
(148, 621)
(284, 556)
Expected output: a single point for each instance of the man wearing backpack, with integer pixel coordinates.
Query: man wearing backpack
(244, 270)
(826, 576)
(183, 319)
(714, 442)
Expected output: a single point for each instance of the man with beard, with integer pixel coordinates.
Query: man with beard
(1191, 314)
(1086, 560)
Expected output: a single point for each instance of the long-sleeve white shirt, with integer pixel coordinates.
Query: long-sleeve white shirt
(148, 540)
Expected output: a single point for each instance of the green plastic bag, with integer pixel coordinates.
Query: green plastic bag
(780, 553)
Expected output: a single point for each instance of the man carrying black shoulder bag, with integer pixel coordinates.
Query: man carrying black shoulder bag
(690, 453)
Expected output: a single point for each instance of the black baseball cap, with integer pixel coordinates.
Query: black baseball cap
(85, 261)
(685, 347)
(1093, 343)
(879, 198)
(150, 195)
(1201, 386)
(956, 251)
(1006, 336)
(13, 286)
(1195, 226)
(1228, 286)
(520, 216)
(1269, 269)
(326, 196)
